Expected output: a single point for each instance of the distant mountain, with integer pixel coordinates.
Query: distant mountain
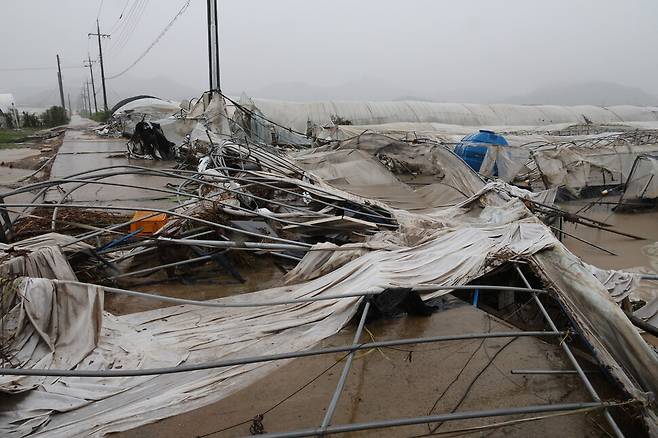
(158, 86)
(587, 93)
(26, 97)
(365, 88)
(117, 89)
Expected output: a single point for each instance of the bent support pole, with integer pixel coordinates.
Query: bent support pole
(588, 385)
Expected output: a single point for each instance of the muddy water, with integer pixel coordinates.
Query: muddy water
(11, 175)
(262, 274)
(632, 255)
(403, 382)
(9, 155)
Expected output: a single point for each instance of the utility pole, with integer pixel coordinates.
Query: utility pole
(93, 86)
(213, 46)
(84, 100)
(88, 96)
(70, 107)
(59, 79)
(100, 55)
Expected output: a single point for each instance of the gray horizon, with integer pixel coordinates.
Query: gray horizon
(472, 51)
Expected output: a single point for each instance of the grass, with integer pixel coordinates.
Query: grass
(100, 116)
(9, 136)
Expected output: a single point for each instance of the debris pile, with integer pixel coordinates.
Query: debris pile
(373, 224)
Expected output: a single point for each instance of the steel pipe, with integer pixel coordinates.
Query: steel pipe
(346, 369)
(440, 418)
(266, 358)
(173, 213)
(541, 372)
(210, 303)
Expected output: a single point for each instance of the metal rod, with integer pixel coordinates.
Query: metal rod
(157, 268)
(173, 213)
(216, 202)
(549, 371)
(177, 174)
(582, 240)
(184, 301)
(346, 369)
(572, 359)
(466, 415)
(266, 358)
(234, 244)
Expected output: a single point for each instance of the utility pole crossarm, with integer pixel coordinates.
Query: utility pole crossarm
(88, 63)
(100, 56)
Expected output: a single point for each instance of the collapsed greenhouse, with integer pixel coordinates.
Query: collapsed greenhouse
(238, 240)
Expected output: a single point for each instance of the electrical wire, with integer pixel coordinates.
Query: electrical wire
(123, 30)
(39, 68)
(276, 405)
(114, 25)
(100, 7)
(148, 49)
(468, 361)
(125, 27)
(137, 18)
(475, 379)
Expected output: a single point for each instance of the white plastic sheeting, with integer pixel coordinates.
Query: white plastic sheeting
(296, 114)
(507, 160)
(366, 166)
(150, 106)
(188, 334)
(450, 246)
(40, 257)
(642, 183)
(576, 167)
(444, 246)
(8, 107)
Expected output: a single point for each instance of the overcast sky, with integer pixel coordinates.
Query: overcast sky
(421, 47)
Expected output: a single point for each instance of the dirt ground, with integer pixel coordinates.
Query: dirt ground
(402, 382)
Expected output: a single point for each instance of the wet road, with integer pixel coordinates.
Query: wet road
(83, 151)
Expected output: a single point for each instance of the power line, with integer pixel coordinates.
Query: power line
(131, 30)
(98, 14)
(112, 28)
(148, 49)
(37, 68)
(123, 31)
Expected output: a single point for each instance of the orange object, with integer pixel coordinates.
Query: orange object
(148, 220)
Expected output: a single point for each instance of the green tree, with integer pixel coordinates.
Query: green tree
(30, 120)
(54, 116)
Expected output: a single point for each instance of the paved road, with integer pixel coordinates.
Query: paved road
(83, 151)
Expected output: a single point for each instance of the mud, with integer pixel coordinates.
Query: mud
(401, 382)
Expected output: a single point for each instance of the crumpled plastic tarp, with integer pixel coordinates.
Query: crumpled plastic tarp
(642, 183)
(577, 167)
(194, 334)
(446, 246)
